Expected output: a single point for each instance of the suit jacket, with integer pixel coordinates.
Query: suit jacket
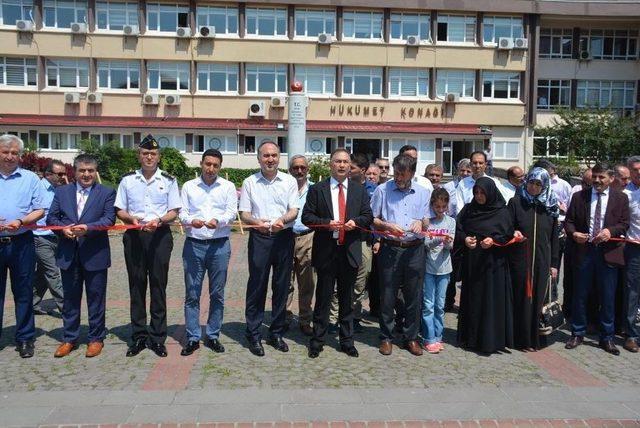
(616, 219)
(319, 210)
(92, 249)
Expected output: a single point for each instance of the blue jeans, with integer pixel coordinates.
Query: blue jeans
(211, 256)
(435, 291)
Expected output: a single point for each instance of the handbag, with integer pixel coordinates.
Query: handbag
(551, 317)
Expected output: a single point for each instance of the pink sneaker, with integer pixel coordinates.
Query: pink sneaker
(432, 348)
(440, 345)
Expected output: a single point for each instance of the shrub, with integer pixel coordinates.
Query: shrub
(33, 162)
(319, 168)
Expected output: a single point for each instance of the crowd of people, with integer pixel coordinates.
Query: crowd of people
(404, 242)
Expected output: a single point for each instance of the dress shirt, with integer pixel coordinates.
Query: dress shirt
(47, 195)
(202, 202)
(335, 192)
(632, 187)
(20, 194)
(575, 189)
(634, 214)
(148, 200)
(370, 187)
(450, 187)
(79, 196)
(401, 207)
(509, 190)
(464, 192)
(563, 192)
(603, 208)
(269, 200)
(298, 227)
(423, 181)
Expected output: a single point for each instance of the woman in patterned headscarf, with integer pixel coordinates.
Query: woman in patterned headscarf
(534, 211)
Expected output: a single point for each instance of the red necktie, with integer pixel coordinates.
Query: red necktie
(342, 211)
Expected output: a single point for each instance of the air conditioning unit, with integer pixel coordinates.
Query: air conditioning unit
(413, 41)
(451, 97)
(325, 39)
(206, 31)
(183, 32)
(257, 108)
(78, 28)
(585, 55)
(520, 43)
(505, 43)
(131, 30)
(71, 97)
(24, 25)
(172, 100)
(150, 99)
(278, 102)
(94, 97)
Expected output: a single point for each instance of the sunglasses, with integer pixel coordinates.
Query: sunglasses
(59, 174)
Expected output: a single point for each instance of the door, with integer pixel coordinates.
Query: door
(367, 146)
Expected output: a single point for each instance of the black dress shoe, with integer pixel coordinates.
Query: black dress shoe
(314, 352)
(136, 347)
(215, 346)
(608, 346)
(256, 348)
(159, 349)
(574, 342)
(350, 350)
(25, 349)
(192, 345)
(278, 343)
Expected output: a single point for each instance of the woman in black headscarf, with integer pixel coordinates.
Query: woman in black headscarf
(485, 321)
(534, 210)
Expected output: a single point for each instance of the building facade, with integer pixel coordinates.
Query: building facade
(448, 76)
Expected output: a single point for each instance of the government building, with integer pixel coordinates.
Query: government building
(448, 76)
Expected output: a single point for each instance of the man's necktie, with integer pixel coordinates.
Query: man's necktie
(82, 201)
(342, 212)
(597, 217)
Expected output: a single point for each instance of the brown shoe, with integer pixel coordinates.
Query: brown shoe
(94, 349)
(414, 347)
(631, 345)
(65, 349)
(573, 342)
(306, 329)
(385, 347)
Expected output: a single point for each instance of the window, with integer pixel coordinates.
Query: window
(226, 144)
(168, 75)
(455, 81)
(506, 150)
(123, 140)
(115, 15)
(319, 145)
(606, 94)
(62, 13)
(556, 42)
(15, 10)
(118, 74)
(502, 85)
(68, 73)
(610, 44)
(267, 78)
(223, 18)
(316, 79)
(456, 28)
(404, 25)
(174, 141)
(501, 26)
(554, 93)
(362, 25)
(18, 72)
(362, 81)
(217, 77)
(266, 21)
(408, 82)
(311, 22)
(252, 142)
(58, 141)
(166, 17)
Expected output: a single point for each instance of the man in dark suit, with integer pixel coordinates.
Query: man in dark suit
(595, 216)
(341, 206)
(83, 253)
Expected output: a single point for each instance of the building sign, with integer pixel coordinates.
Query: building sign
(406, 112)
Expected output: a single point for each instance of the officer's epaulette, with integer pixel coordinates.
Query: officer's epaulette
(167, 175)
(127, 174)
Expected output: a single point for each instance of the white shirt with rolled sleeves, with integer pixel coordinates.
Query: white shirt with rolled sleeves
(202, 202)
(464, 191)
(634, 214)
(148, 200)
(269, 200)
(563, 192)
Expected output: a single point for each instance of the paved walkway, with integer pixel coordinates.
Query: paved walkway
(569, 387)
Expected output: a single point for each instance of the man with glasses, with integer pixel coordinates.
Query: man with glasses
(383, 164)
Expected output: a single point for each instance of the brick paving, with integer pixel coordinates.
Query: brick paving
(181, 386)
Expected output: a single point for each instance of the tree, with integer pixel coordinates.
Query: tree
(593, 135)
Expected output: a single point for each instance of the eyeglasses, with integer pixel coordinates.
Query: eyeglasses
(383, 167)
(59, 174)
(300, 167)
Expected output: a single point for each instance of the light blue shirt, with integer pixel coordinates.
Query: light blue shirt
(450, 187)
(269, 200)
(402, 207)
(202, 202)
(20, 194)
(298, 227)
(634, 213)
(148, 200)
(47, 195)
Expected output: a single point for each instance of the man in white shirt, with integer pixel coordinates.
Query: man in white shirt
(209, 207)
(632, 259)
(515, 177)
(464, 192)
(269, 204)
(412, 151)
(633, 163)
